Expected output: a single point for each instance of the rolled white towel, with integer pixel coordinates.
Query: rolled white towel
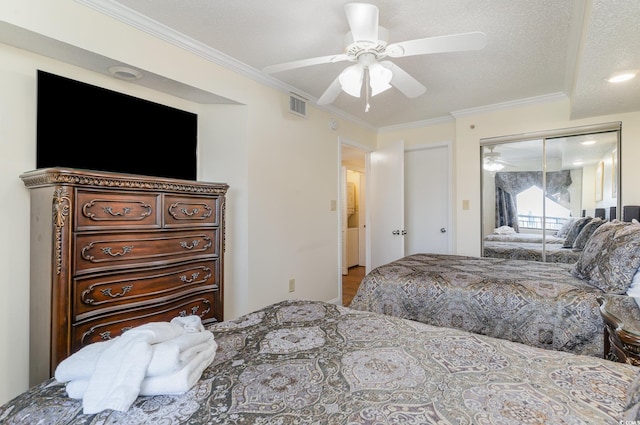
(76, 388)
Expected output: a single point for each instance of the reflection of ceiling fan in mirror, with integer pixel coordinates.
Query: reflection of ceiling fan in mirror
(366, 45)
(491, 160)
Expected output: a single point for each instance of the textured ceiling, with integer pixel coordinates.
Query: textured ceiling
(536, 49)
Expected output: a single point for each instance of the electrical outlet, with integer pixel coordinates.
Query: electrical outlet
(292, 285)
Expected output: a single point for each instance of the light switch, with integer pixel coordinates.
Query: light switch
(465, 204)
(332, 205)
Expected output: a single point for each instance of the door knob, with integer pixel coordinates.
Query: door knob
(395, 232)
(404, 232)
(443, 230)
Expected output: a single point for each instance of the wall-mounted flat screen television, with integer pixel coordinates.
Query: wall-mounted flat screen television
(88, 127)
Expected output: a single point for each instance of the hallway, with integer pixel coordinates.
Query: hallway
(350, 284)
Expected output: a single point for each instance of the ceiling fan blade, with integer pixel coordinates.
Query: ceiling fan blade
(305, 62)
(363, 21)
(330, 93)
(404, 82)
(441, 44)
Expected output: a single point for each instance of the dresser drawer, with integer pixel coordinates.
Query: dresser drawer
(107, 327)
(104, 293)
(181, 211)
(110, 210)
(95, 252)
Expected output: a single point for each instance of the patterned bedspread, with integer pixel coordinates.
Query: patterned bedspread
(554, 252)
(535, 303)
(301, 362)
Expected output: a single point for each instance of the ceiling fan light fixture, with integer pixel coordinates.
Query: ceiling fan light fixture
(379, 78)
(351, 80)
(492, 166)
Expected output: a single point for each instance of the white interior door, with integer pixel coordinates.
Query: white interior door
(385, 201)
(427, 183)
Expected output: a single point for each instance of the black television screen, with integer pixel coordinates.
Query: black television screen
(84, 126)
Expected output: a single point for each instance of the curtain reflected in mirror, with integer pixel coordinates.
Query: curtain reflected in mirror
(537, 194)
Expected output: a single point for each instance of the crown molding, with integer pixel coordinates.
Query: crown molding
(546, 98)
(416, 124)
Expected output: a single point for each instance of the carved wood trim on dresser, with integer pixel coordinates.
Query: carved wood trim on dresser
(112, 251)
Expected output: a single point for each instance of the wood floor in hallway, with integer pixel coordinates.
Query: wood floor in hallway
(350, 283)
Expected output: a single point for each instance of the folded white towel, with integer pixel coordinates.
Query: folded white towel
(120, 369)
(182, 380)
(191, 323)
(82, 363)
(156, 332)
(169, 356)
(177, 382)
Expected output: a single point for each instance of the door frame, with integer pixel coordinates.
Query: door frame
(342, 141)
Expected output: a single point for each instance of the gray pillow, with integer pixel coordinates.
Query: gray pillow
(586, 232)
(610, 257)
(575, 230)
(562, 232)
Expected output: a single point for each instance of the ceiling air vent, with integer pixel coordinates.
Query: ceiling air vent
(297, 105)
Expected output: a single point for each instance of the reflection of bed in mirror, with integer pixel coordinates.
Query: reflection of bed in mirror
(535, 183)
(563, 246)
(554, 252)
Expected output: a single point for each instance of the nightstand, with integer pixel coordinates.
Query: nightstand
(621, 316)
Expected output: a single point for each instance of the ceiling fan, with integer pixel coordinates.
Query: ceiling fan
(491, 160)
(366, 45)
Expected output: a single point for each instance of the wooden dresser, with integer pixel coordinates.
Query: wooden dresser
(112, 251)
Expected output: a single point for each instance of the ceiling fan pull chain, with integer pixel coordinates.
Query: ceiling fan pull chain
(367, 89)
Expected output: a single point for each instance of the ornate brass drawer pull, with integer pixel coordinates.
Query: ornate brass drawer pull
(125, 251)
(185, 279)
(125, 289)
(186, 245)
(190, 213)
(125, 211)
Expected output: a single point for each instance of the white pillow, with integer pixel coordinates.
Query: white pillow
(634, 289)
(504, 230)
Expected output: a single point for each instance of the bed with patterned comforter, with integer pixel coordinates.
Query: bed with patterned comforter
(547, 305)
(535, 303)
(302, 362)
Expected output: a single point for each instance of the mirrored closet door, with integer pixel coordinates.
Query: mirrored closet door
(536, 186)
